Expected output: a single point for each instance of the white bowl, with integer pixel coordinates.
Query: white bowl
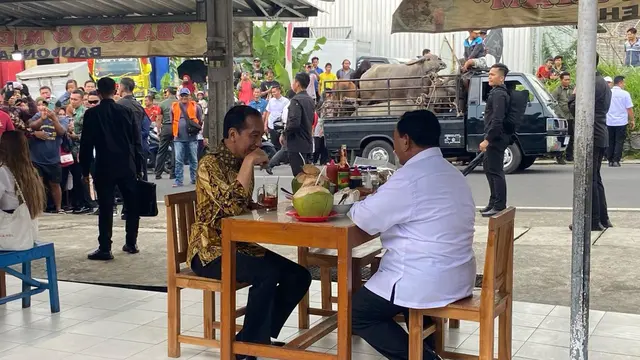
(342, 209)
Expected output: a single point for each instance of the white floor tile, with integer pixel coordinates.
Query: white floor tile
(25, 352)
(23, 335)
(145, 334)
(136, 316)
(4, 346)
(541, 351)
(53, 323)
(116, 349)
(85, 313)
(614, 345)
(159, 352)
(20, 318)
(67, 342)
(103, 328)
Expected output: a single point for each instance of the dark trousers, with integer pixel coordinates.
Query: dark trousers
(280, 157)
(297, 161)
(617, 135)
(105, 187)
(277, 286)
(166, 140)
(599, 213)
(494, 170)
(569, 151)
(372, 320)
(275, 138)
(321, 152)
(80, 196)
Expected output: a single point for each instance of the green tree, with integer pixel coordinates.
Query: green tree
(269, 46)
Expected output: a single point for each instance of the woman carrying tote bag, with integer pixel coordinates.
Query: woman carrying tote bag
(22, 194)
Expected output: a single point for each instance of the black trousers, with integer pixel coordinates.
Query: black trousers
(297, 161)
(372, 320)
(80, 196)
(275, 138)
(166, 140)
(321, 152)
(105, 187)
(617, 135)
(599, 213)
(277, 286)
(569, 151)
(494, 170)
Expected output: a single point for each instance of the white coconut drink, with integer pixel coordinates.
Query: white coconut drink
(313, 201)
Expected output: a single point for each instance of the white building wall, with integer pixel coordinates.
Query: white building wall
(370, 21)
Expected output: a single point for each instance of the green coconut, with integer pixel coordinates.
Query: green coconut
(308, 177)
(313, 201)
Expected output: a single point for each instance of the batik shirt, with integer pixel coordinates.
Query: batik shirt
(219, 195)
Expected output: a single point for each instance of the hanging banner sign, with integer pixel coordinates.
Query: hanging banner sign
(116, 41)
(433, 16)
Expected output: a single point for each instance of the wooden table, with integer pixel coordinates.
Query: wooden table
(279, 229)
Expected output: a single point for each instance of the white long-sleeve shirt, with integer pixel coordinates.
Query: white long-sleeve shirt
(425, 217)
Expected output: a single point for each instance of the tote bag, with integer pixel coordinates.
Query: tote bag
(17, 231)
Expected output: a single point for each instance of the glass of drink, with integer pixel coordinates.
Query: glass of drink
(268, 193)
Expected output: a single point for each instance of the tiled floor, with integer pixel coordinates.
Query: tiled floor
(110, 323)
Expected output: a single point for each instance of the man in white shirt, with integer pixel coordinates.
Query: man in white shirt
(425, 217)
(276, 105)
(620, 115)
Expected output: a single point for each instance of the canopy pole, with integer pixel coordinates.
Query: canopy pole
(582, 178)
(219, 58)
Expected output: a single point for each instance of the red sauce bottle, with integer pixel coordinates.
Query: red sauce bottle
(332, 172)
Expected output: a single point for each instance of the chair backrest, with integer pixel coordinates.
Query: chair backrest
(181, 214)
(498, 265)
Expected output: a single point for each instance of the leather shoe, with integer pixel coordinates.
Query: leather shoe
(491, 212)
(100, 255)
(277, 343)
(131, 249)
(598, 227)
(607, 224)
(486, 208)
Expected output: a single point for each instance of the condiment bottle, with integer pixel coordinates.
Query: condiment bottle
(373, 178)
(332, 172)
(355, 178)
(343, 169)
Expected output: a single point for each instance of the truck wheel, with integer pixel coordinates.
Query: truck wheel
(527, 161)
(379, 150)
(512, 158)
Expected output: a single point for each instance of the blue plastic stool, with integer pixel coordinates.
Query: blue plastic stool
(30, 286)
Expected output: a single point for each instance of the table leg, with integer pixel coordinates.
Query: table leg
(303, 307)
(3, 285)
(344, 299)
(228, 296)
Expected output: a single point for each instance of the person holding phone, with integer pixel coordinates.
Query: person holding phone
(44, 146)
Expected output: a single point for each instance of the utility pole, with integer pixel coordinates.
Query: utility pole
(219, 58)
(582, 178)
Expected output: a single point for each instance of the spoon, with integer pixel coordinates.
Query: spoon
(286, 191)
(344, 197)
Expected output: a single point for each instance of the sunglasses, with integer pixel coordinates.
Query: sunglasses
(93, 102)
(184, 95)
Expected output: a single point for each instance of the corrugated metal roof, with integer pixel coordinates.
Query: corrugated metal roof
(95, 12)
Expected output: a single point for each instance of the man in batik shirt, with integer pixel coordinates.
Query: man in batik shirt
(224, 188)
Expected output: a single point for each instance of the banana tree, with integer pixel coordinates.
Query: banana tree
(269, 46)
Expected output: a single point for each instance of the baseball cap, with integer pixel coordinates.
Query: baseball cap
(256, 59)
(43, 100)
(608, 79)
(184, 91)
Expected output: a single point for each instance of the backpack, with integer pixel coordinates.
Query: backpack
(517, 106)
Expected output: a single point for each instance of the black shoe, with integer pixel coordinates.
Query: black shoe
(82, 210)
(598, 227)
(485, 209)
(100, 255)
(610, 163)
(131, 249)
(123, 217)
(97, 212)
(172, 177)
(561, 161)
(278, 343)
(158, 177)
(617, 164)
(491, 212)
(607, 224)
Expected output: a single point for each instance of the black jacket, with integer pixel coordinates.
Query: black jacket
(601, 104)
(112, 131)
(298, 131)
(141, 118)
(495, 114)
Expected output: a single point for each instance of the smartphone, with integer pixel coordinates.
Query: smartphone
(9, 87)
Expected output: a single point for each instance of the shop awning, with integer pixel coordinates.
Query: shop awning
(53, 13)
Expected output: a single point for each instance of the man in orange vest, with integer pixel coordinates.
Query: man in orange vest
(186, 118)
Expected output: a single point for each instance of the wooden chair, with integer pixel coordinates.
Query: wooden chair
(494, 299)
(326, 259)
(180, 216)
(30, 286)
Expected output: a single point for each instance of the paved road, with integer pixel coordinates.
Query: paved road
(539, 186)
